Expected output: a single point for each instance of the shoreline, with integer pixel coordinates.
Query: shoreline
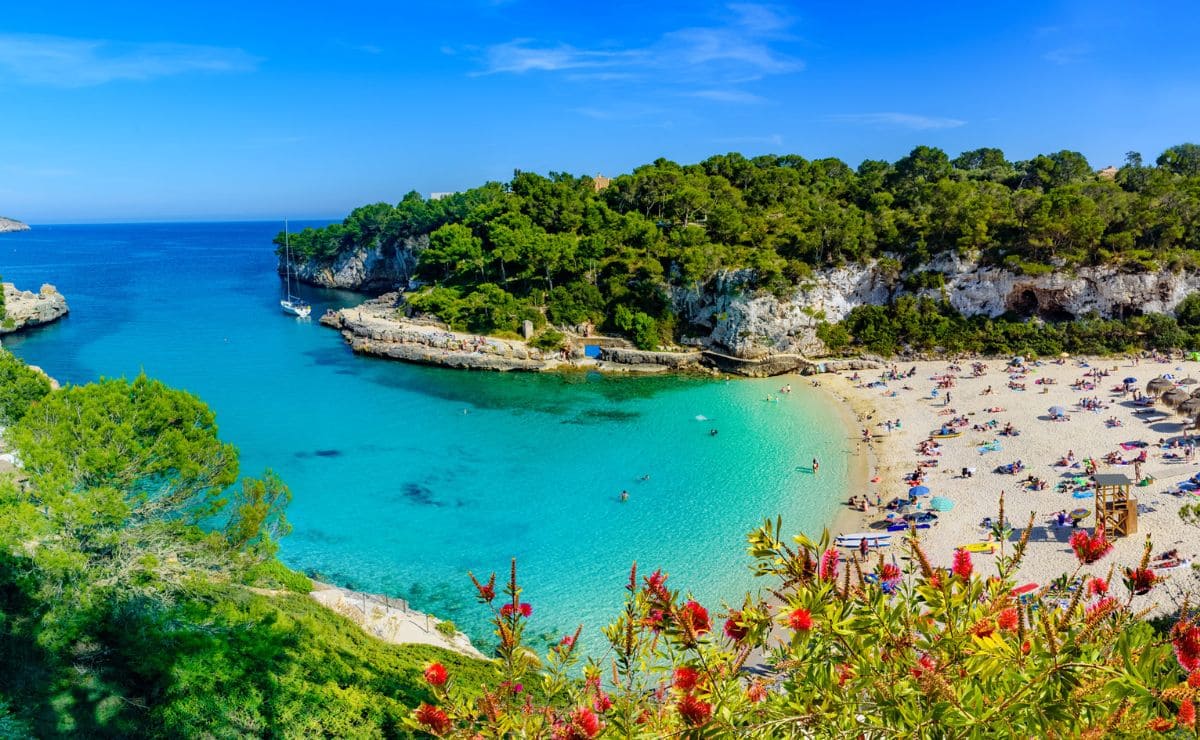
(1101, 422)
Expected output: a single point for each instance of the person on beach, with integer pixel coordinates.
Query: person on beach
(863, 547)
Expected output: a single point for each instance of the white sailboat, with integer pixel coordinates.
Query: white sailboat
(291, 304)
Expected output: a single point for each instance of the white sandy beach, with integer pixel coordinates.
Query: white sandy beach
(1040, 443)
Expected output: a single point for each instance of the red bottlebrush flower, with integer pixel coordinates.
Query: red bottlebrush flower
(435, 674)
(829, 565)
(1101, 608)
(694, 616)
(962, 565)
(1008, 619)
(733, 630)
(525, 610)
(1186, 641)
(844, 673)
(983, 628)
(1187, 713)
(756, 692)
(656, 586)
(1160, 724)
(925, 664)
(1025, 647)
(654, 620)
(487, 591)
(567, 641)
(437, 721)
(800, 620)
(889, 574)
(693, 711)
(1090, 548)
(1097, 587)
(584, 724)
(1140, 580)
(602, 703)
(686, 678)
(1193, 680)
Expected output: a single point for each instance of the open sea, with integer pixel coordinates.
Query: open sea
(406, 477)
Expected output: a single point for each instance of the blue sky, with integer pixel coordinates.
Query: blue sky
(148, 111)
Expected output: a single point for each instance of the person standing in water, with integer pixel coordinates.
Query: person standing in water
(816, 465)
(624, 496)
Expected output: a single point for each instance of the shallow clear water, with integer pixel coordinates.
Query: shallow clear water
(405, 477)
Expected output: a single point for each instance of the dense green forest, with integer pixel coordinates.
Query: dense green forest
(558, 249)
(140, 595)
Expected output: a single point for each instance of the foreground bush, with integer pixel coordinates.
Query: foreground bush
(854, 649)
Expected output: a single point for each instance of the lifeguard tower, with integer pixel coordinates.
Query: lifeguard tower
(1116, 509)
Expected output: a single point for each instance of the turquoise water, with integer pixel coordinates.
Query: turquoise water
(406, 477)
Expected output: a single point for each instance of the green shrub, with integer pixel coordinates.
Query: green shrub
(549, 340)
(446, 628)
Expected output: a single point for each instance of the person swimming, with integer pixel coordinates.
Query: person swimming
(712, 432)
(624, 496)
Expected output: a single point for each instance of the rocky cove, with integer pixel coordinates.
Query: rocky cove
(736, 328)
(26, 309)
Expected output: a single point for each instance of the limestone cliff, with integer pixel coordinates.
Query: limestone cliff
(24, 309)
(734, 318)
(11, 224)
(367, 269)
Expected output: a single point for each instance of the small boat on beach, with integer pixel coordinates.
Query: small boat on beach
(291, 304)
(945, 434)
(874, 539)
(980, 547)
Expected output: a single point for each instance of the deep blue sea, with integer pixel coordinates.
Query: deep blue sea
(405, 477)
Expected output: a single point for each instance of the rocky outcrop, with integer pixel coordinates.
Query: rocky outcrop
(369, 270)
(672, 360)
(24, 309)
(753, 324)
(11, 224)
(729, 316)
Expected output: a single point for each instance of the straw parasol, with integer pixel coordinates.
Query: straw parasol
(1196, 393)
(1175, 396)
(1190, 407)
(1158, 385)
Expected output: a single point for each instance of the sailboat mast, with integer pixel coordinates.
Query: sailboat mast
(287, 260)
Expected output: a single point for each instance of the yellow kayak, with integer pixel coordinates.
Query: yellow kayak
(947, 435)
(980, 547)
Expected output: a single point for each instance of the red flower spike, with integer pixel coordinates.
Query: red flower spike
(1186, 642)
(1090, 548)
(962, 565)
(584, 724)
(695, 616)
(432, 718)
(1008, 619)
(1097, 587)
(1187, 714)
(829, 565)
(686, 678)
(693, 711)
(756, 692)
(800, 620)
(1193, 680)
(602, 703)
(1160, 724)
(733, 630)
(435, 674)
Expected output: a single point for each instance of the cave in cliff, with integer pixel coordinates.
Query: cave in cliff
(1044, 304)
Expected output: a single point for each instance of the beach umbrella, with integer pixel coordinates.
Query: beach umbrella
(1196, 393)
(1188, 381)
(1057, 411)
(1064, 355)
(1129, 381)
(1190, 407)
(1018, 360)
(919, 491)
(1174, 397)
(941, 503)
(1158, 385)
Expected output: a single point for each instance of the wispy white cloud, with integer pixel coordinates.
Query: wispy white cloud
(61, 61)
(743, 48)
(898, 120)
(727, 96)
(1066, 55)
